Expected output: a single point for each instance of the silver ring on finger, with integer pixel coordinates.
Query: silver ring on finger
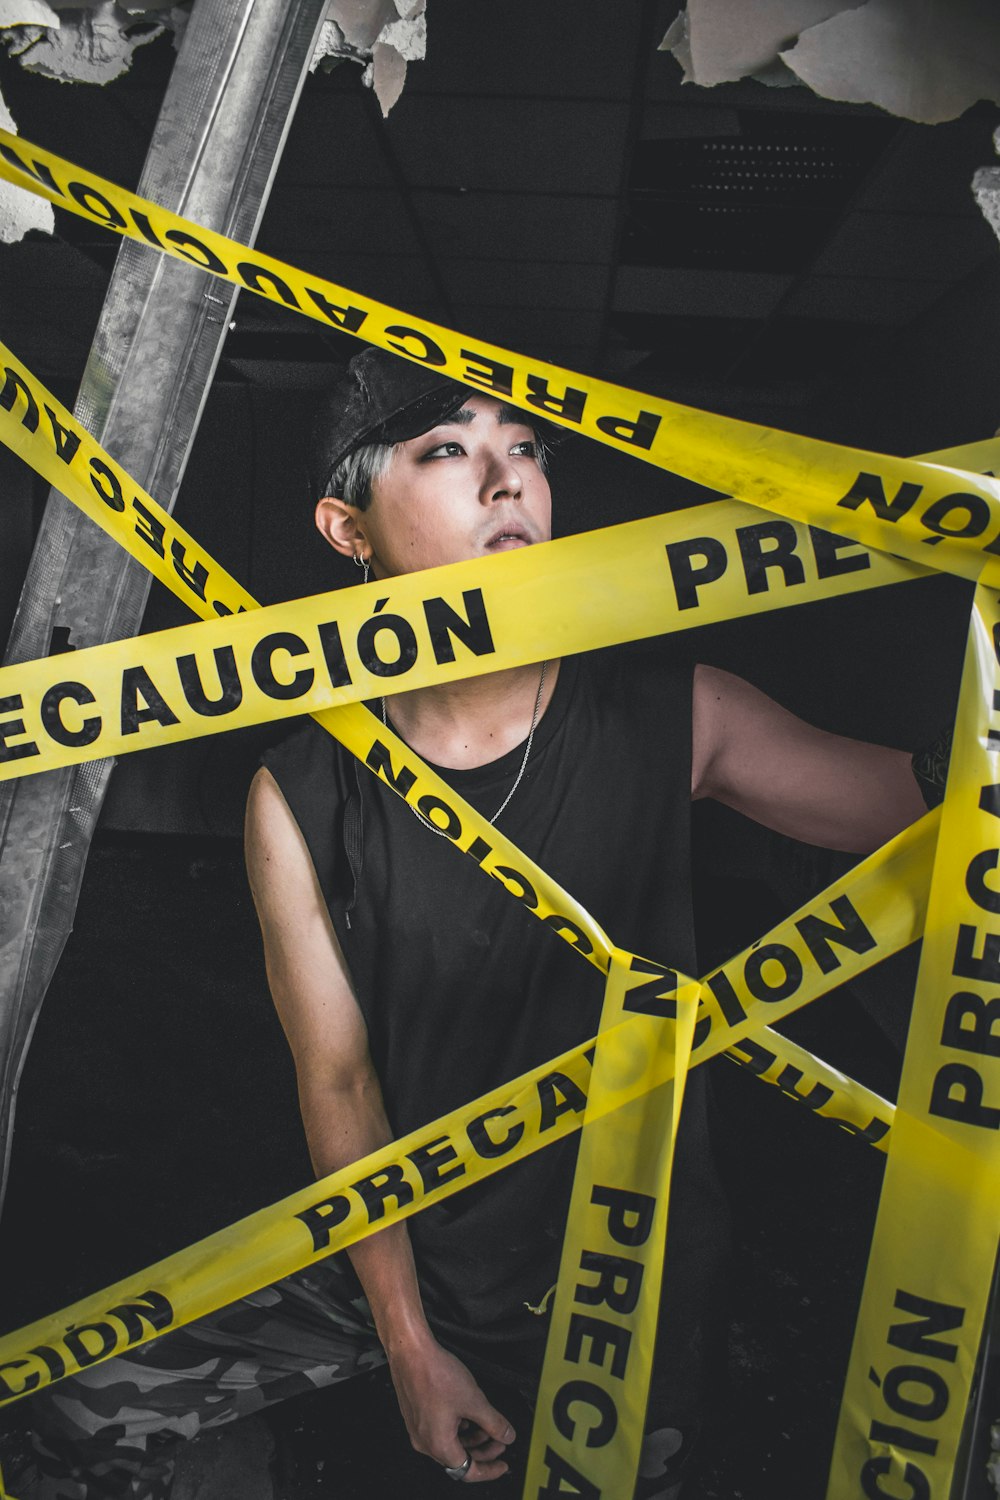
(459, 1471)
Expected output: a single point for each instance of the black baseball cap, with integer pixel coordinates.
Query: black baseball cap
(379, 398)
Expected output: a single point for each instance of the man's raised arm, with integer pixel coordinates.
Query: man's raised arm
(821, 788)
(342, 1110)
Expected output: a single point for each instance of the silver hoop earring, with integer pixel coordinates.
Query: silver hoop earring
(361, 562)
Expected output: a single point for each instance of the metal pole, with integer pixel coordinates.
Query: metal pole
(215, 149)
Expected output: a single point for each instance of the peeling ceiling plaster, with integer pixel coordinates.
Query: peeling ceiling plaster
(926, 63)
(95, 46)
(382, 35)
(93, 41)
(20, 211)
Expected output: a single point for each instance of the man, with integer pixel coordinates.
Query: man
(417, 481)
(408, 984)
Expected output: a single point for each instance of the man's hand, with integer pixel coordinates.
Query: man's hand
(446, 1414)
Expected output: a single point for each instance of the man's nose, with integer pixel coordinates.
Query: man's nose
(502, 480)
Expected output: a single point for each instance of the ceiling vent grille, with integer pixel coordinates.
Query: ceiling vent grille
(760, 200)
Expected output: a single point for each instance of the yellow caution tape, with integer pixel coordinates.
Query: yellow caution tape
(642, 578)
(896, 505)
(467, 619)
(886, 896)
(928, 1281)
(591, 1409)
(817, 1086)
(946, 517)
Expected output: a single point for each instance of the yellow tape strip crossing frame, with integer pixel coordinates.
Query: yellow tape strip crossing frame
(939, 516)
(886, 893)
(792, 475)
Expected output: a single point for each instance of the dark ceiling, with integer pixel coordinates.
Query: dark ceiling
(546, 182)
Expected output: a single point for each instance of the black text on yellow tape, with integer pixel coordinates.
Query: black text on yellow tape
(592, 1395)
(928, 513)
(391, 1184)
(935, 1242)
(447, 1155)
(440, 625)
(817, 1086)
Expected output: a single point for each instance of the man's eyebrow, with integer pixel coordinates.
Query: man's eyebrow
(507, 416)
(512, 416)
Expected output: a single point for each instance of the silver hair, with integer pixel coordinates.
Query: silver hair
(354, 476)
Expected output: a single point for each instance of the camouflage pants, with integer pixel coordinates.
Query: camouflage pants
(110, 1432)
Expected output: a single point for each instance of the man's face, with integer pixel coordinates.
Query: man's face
(469, 487)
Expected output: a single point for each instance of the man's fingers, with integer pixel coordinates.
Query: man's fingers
(493, 1423)
(486, 1463)
(477, 1440)
(484, 1450)
(481, 1471)
(483, 1439)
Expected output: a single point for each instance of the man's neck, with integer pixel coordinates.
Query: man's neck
(470, 723)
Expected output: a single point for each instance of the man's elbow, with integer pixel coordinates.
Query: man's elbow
(892, 800)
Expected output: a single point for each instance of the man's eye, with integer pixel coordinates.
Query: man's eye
(527, 449)
(445, 450)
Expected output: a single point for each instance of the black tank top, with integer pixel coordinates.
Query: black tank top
(462, 988)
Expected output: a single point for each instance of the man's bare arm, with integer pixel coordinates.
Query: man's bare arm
(821, 788)
(344, 1117)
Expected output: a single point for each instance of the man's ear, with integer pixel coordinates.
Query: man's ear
(341, 525)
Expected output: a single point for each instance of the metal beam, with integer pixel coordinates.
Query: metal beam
(213, 156)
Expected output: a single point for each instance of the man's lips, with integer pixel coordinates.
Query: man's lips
(512, 535)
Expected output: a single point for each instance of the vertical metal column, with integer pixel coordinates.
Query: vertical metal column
(214, 152)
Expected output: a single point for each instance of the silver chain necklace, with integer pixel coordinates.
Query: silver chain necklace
(517, 779)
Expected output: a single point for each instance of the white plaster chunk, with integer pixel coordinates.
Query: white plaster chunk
(26, 13)
(18, 39)
(19, 210)
(382, 35)
(330, 44)
(90, 46)
(177, 21)
(678, 41)
(720, 41)
(362, 21)
(407, 37)
(928, 62)
(986, 191)
(388, 75)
